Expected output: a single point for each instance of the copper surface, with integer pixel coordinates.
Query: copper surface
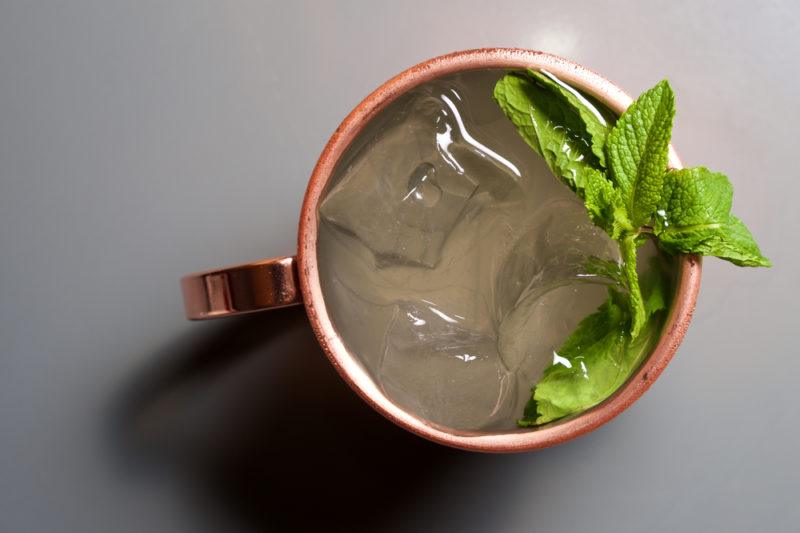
(267, 284)
(347, 363)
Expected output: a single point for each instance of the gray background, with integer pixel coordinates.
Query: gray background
(141, 140)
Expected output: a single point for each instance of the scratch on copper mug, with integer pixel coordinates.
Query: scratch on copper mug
(284, 281)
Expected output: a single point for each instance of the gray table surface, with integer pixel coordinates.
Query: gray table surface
(141, 140)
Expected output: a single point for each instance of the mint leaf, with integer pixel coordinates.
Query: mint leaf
(654, 288)
(600, 355)
(605, 205)
(566, 386)
(593, 362)
(596, 123)
(637, 150)
(734, 243)
(693, 197)
(627, 249)
(549, 125)
(694, 217)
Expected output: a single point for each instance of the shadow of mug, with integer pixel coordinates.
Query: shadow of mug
(254, 414)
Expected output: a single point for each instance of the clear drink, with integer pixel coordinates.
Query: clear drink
(451, 259)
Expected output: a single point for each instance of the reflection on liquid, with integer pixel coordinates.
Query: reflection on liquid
(582, 99)
(480, 149)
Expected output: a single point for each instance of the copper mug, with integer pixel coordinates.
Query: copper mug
(294, 280)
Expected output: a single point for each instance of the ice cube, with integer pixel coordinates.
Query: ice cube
(405, 190)
(456, 284)
(438, 365)
(555, 249)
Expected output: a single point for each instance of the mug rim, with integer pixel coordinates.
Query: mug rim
(348, 365)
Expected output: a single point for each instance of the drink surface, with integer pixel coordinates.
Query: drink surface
(452, 261)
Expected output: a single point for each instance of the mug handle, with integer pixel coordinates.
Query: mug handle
(239, 289)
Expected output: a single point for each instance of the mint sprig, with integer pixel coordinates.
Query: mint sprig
(619, 169)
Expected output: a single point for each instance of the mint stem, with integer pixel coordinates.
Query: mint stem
(627, 248)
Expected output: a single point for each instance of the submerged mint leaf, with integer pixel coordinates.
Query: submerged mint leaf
(566, 386)
(549, 125)
(530, 414)
(654, 287)
(594, 361)
(694, 217)
(596, 123)
(637, 149)
(627, 249)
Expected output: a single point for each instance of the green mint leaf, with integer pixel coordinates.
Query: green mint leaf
(637, 150)
(694, 217)
(693, 197)
(550, 126)
(598, 336)
(627, 249)
(596, 123)
(735, 243)
(593, 362)
(654, 287)
(530, 413)
(605, 205)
